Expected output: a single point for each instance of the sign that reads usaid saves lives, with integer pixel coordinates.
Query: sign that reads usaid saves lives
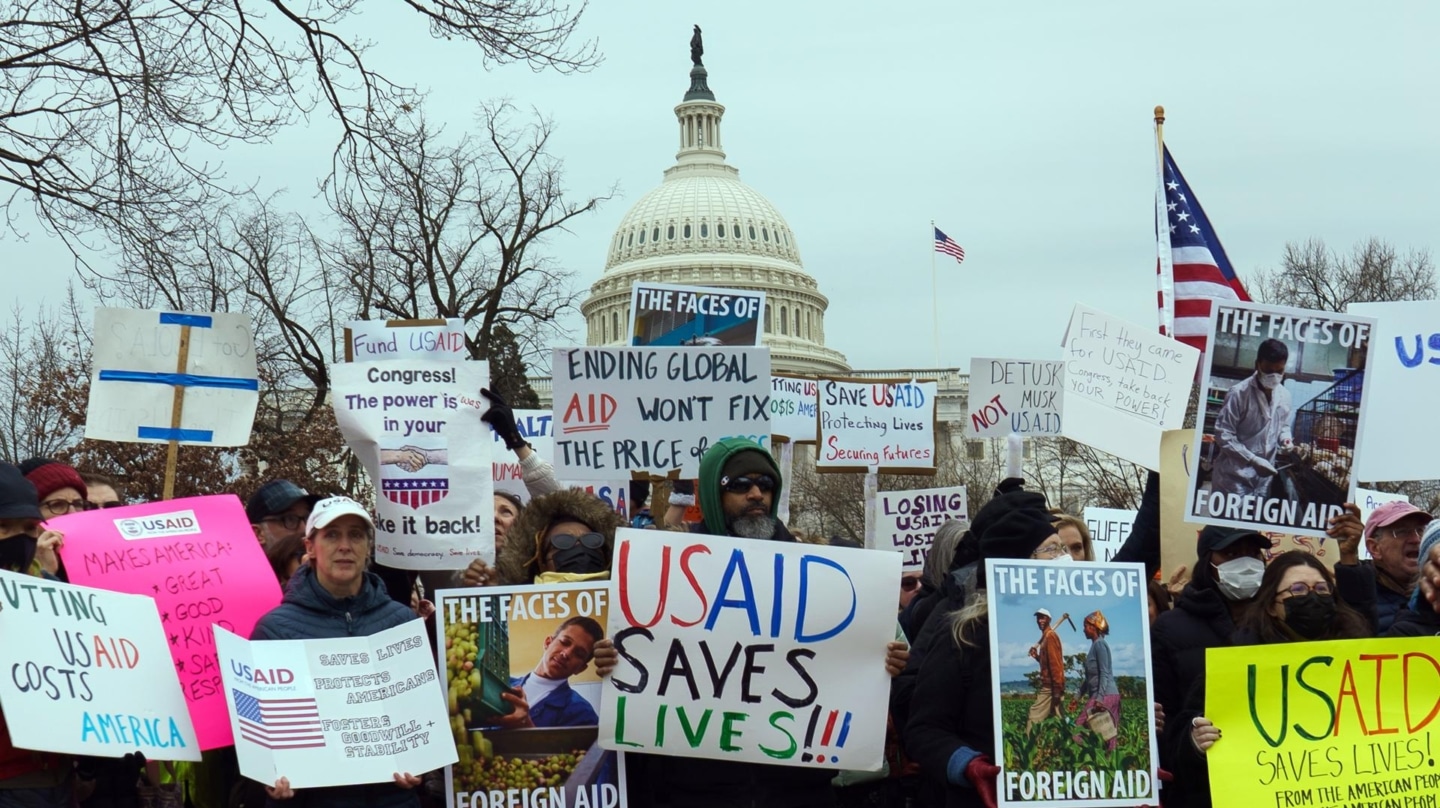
(197, 558)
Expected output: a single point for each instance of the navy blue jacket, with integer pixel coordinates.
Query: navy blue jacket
(308, 612)
(562, 708)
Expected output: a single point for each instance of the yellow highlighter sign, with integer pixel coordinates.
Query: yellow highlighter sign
(1342, 724)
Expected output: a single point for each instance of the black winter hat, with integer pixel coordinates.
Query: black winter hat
(1016, 534)
(18, 499)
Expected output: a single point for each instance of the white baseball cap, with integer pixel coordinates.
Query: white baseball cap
(1038, 612)
(332, 508)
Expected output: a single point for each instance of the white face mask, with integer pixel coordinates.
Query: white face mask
(1239, 578)
(1063, 558)
(1270, 381)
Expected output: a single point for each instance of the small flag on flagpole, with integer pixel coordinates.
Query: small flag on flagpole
(947, 245)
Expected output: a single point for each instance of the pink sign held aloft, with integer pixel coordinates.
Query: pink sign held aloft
(198, 558)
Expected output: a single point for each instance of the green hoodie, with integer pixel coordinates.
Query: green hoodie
(711, 466)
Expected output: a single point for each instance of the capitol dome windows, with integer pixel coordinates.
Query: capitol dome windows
(656, 235)
(670, 233)
(720, 230)
(704, 230)
(765, 234)
(752, 232)
(632, 239)
(784, 321)
(687, 231)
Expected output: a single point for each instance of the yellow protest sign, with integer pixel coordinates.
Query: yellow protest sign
(1341, 724)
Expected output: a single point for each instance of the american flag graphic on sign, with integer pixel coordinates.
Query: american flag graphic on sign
(415, 493)
(279, 723)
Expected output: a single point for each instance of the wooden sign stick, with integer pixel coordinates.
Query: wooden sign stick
(172, 452)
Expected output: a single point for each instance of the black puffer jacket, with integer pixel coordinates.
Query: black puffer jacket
(308, 612)
(954, 688)
(1410, 623)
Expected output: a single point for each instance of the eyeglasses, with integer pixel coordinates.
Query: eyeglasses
(564, 541)
(1404, 533)
(289, 521)
(1300, 589)
(742, 485)
(90, 506)
(908, 584)
(1050, 551)
(58, 506)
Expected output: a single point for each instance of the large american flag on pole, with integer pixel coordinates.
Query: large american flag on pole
(279, 723)
(1198, 270)
(947, 245)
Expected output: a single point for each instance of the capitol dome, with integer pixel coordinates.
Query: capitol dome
(704, 227)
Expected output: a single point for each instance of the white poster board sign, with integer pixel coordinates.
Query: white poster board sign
(415, 425)
(621, 411)
(792, 409)
(1015, 397)
(906, 521)
(1404, 376)
(88, 672)
(336, 712)
(534, 427)
(884, 425)
(806, 625)
(1109, 528)
(136, 361)
(1279, 428)
(668, 314)
(1124, 385)
(375, 340)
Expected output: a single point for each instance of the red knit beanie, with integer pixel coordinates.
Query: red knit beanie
(52, 477)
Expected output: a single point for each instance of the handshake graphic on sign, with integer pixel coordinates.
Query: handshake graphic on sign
(413, 458)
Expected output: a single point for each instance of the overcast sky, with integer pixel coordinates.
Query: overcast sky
(1023, 129)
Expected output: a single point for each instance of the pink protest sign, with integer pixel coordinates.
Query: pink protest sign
(199, 560)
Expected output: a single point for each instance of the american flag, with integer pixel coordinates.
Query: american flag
(279, 723)
(947, 245)
(416, 493)
(1201, 272)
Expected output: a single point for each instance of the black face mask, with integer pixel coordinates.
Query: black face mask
(1309, 615)
(580, 560)
(16, 552)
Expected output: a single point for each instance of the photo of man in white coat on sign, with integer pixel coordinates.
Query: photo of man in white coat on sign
(1254, 423)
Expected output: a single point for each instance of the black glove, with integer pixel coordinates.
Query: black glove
(502, 419)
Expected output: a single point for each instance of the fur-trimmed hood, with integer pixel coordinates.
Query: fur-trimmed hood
(515, 556)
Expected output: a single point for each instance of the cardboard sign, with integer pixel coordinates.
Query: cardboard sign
(88, 672)
(1109, 527)
(792, 409)
(415, 425)
(1124, 385)
(620, 412)
(1074, 714)
(906, 521)
(137, 370)
(335, 712)
(797, 634)
(500, 642)
(376, 340)
(1279, 459)
(1403, 373)
(703, 316)
(884, 425)
(1328, 724)
(1015, 397)
(197, 558)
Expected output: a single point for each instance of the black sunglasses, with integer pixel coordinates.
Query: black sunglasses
(564, 541)
(742, 485)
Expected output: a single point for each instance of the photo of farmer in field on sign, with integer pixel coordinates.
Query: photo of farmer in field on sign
(1052, 670)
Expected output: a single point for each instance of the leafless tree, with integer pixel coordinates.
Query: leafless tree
(112, 107)
(36, 356)
(1313, 276)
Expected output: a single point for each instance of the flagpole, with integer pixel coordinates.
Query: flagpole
(934, 295)
(1164, 266)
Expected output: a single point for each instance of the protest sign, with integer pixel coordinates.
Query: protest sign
(144, 370)
(1326, 724)
(1015, 397)
(1281, 410)
(535, 427)
(1124, 385)
(906, 521)
(198, 559)
(623, 412)
(1405, 381)
(374, 340)
(1368, 501)
(793, 637)
(1074, 704)
(877, 425)
(1109, 527)
(669, 314)
(334, 712)
(792, 409)
(415, 425)
(506, 647)
(87, 672)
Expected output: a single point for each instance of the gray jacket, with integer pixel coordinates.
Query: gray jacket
(1099, 674)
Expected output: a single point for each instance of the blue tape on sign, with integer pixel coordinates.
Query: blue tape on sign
(192, 320)
(180, 379)
(165, 433)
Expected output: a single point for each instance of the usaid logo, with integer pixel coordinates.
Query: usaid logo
(179, 523)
